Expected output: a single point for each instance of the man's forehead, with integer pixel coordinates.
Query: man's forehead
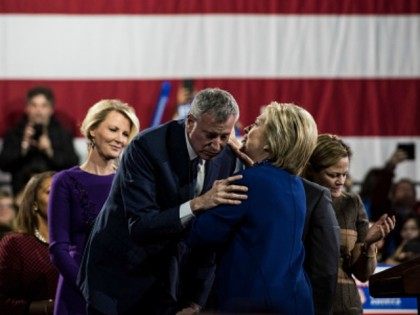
(212, 118)
(220, 130)
(210, 124)
(39, 99)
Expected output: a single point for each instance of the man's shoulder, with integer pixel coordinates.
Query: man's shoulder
(161, 131)
(157, 141)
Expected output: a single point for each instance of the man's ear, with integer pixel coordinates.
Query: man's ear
(190, 122)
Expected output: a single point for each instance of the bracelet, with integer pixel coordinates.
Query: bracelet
(365, 251)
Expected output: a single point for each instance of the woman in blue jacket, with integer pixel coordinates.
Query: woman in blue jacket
(261, 254)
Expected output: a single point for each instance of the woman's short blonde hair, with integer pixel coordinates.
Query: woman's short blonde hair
(291, 135)
(329, 150)
(98, 112)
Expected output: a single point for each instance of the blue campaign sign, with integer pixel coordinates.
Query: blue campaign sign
(392, 305)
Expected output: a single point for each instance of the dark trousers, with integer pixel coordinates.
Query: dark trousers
(154, 302)
(158, 310)
(92, 311)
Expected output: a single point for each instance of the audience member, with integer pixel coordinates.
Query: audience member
(403, 197)
(328, 166)
(377, 185)
(260, 266)
(78, 193)
(7, 208)
(184, 97)
(38, 142)
(401, 202)
(410, 232)
(28, 279)
(4, 229)
(134, 257)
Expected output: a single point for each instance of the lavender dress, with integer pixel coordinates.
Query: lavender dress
(76, 198)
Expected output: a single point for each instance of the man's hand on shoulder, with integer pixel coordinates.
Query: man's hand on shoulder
(222, 192)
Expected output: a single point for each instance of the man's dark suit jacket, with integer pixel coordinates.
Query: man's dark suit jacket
(133, 256)
(321, 238)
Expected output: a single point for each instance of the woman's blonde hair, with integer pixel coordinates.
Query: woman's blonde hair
(26, 220)
(291, 135)
(98, 112)
(329, 150)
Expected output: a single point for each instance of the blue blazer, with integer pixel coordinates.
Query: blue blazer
(135, 244)
(260, 241)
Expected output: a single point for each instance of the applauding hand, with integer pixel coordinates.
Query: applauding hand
(380, 229)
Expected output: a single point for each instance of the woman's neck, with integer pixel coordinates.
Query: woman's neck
(43, 228)
(262, 157)
(97, 164)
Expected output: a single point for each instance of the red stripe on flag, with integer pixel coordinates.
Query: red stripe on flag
(212, 6)
(348, 107)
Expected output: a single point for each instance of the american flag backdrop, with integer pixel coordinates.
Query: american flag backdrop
(354, 64)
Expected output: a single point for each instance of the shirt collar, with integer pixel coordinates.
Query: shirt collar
(191, 153)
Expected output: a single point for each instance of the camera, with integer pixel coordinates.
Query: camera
(38, 131)
(408, 148)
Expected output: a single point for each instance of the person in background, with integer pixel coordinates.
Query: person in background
(329, 166)
(7, 208)
(377, 185)
(28, 279)
(184, 97)
(38, 143)
(410, 233)
(135, 260)
(78, 193)
(4, 229)
(261, 251)
(381, 194)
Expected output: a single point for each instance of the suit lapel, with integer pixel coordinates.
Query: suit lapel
(179, 159)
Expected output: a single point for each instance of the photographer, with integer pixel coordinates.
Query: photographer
(38, 142)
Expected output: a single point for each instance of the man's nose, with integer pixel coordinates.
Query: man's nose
(216, 144)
